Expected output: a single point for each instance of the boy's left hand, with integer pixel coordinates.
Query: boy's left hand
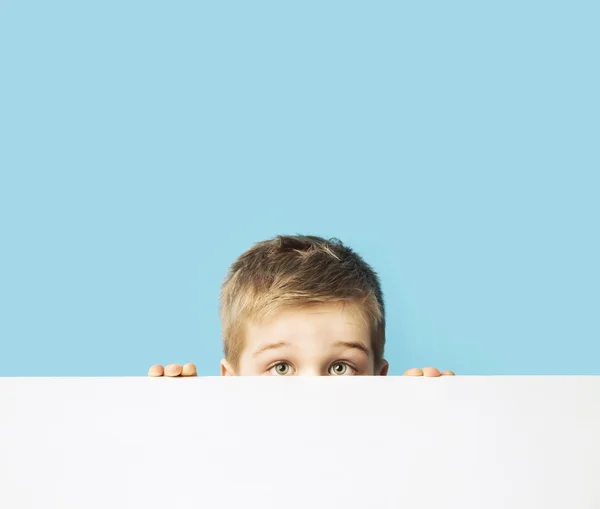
(429, 372)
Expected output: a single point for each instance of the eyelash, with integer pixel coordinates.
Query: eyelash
(275, 364)
(347, 363)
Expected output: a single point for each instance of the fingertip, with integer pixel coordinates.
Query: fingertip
(413, 372)
(156, 370)
(189, 369)
(173, 370)
(447, 372)
(431, 372)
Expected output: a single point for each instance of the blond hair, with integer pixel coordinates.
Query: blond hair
(298, 271)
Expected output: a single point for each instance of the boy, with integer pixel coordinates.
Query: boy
(301, 305)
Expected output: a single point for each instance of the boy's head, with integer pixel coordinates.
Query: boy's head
(302, 305)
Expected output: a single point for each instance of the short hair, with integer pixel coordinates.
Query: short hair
(298, 270)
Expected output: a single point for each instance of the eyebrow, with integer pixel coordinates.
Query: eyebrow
(355, 345)
(270, 346)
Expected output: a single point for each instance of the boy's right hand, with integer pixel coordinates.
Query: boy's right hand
(173, 370)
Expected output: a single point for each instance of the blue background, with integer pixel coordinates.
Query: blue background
(145, 145)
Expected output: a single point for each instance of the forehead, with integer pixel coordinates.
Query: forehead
(322, 319)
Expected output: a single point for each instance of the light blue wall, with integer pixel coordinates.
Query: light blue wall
(144, 145)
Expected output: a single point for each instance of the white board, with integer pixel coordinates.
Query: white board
(354, 442)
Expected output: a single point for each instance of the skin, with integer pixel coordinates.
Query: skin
(322, 340)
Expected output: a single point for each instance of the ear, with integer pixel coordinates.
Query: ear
(383, 370)
(226, 369)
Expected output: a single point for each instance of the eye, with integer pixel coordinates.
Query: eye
(341, 369)
(281, 369)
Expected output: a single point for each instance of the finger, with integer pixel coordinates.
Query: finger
(189, 369)
(156, 370)
(413, 372)
(173, 370)
(431, 372)
(447, 373)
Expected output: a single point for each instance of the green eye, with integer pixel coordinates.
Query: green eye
(282, 369)
(339, 369)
